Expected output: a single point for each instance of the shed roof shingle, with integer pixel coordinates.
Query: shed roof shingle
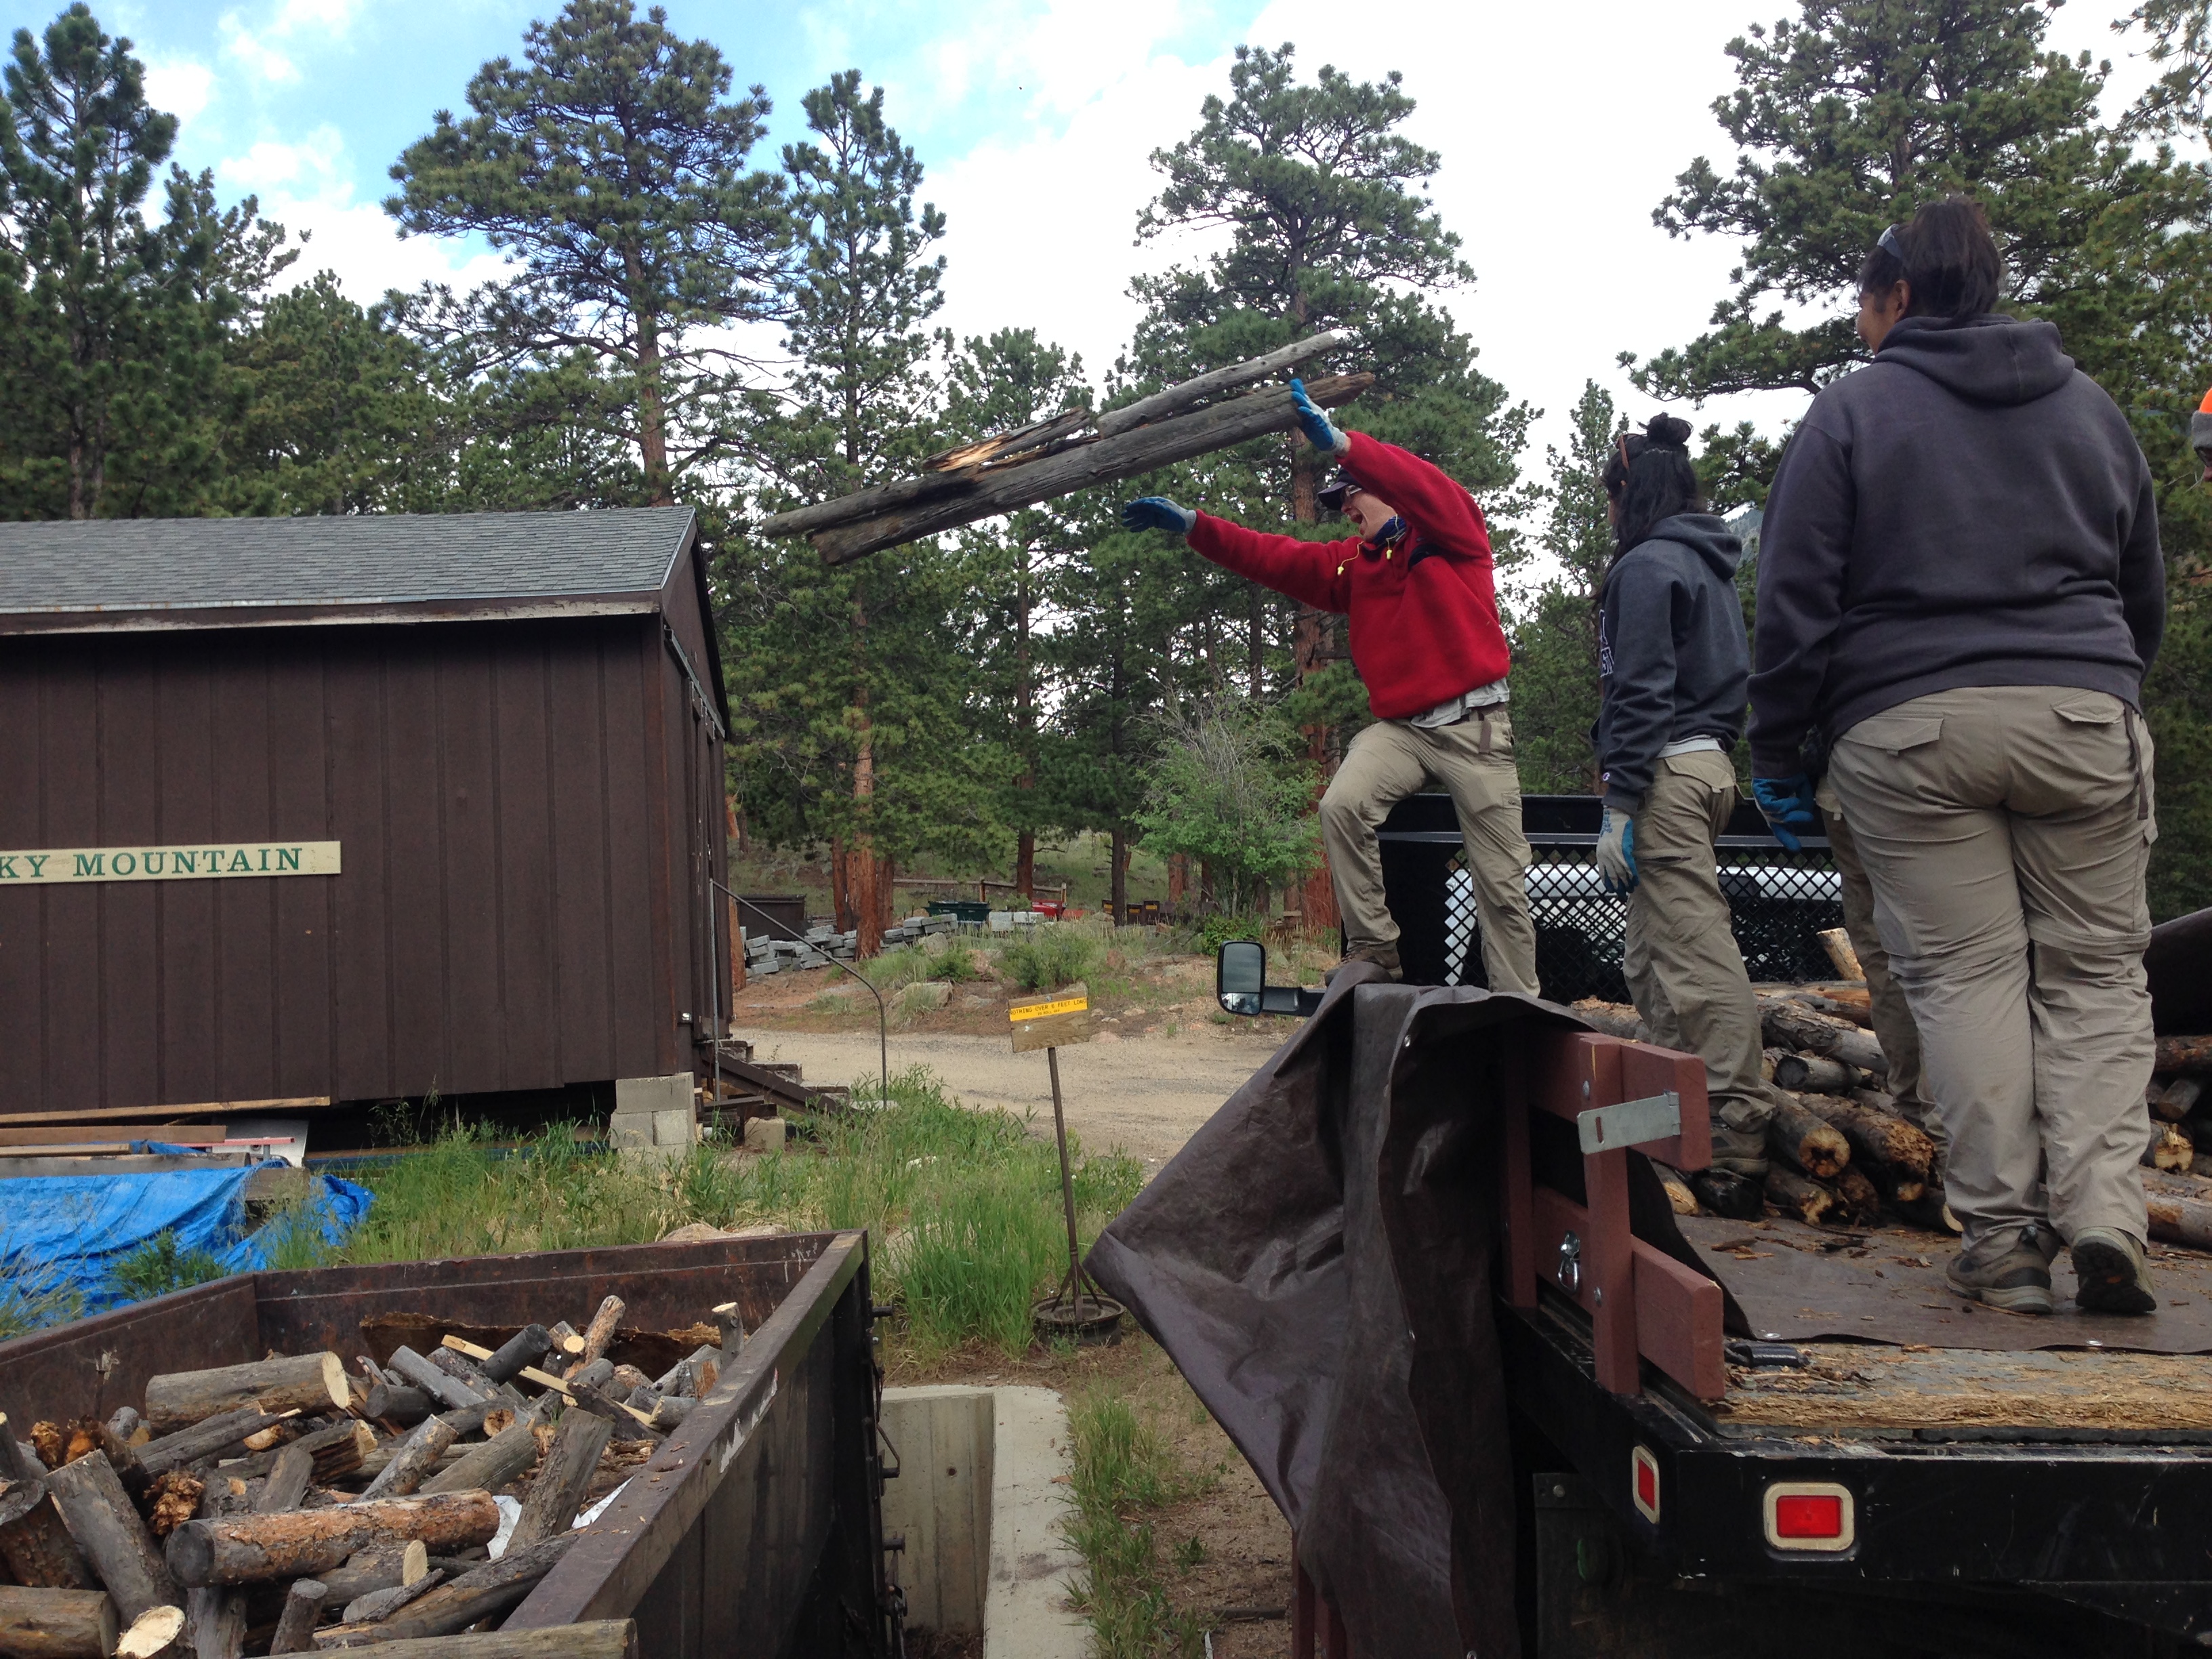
(198, 565)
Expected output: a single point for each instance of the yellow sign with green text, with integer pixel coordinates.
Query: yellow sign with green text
(191, 861)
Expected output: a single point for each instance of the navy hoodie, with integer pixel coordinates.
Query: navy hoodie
(1672, 657)
(1969, 510)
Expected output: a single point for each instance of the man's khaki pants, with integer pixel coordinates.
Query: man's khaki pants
(1893, 1018)
(2006, 829)
(1473, 759)
(1679, 955)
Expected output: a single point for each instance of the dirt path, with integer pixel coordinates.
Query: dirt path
(1145, 1095)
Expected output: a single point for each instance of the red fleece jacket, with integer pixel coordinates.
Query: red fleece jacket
(1424, 613)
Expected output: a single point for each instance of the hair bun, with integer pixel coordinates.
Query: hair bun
(1668, 432)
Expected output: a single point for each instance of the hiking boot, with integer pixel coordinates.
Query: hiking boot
(2011, 1271)
(2111, 1275)
(1739, 1152)
(1384, 957)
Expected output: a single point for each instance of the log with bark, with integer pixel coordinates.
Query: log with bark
(2178, 1214)
(310, 1382)
(1845, 959)
(413, 1463)
(1738, 1197)
(449, 1392)
(2169, 1149)
(57, 1624)
(210, 1437)
(1801, 1139)
(505, 1457)
(562, 1478)
(2192, 1055)
(19, 1459)
(480, 1592)
(601, 1639)
(566, 1344)
(215, 1623)
(1876, 1137)
(1793, 1195)
(526, 1347)
(1861, 1196)
(375, 1606)
(1613, 1019)
(247, 1549)
(599, 1335)
(288, 1479)
(1679, 1197)
(1814, 1075)
(303, 1611)
(101, 1517)
(1787, 1023)
(401, 1404)
(694, 1376)
(2178, 1099)
(35, 1544)
(378, 1567)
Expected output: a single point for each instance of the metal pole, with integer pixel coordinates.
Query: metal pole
(1067, 1186)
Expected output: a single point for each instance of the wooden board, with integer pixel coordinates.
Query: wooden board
(1053, 1020)
(1859, 1386)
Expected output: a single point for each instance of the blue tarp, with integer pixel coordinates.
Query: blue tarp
(67, 1232)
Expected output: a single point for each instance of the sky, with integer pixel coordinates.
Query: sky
(1559, 129)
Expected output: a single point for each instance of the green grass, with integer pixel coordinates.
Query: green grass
(1123, 1472)
(158, 1267)
(1051, 957)
(32, 1297)
(913, 964)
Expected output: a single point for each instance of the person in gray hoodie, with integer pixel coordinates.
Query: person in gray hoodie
(1672, 663)
(1960, 594)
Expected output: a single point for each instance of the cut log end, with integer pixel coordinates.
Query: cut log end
(150, 1633)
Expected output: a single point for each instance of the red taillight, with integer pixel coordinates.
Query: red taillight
(1815, 1516)
(1809, 1517)
(1644, 1483)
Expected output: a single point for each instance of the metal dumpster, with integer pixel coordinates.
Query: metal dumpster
(755, 1529)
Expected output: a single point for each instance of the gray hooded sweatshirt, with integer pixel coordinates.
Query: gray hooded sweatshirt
(1969, 510)
(1672, 656)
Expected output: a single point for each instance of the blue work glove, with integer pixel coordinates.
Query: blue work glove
(1616, 852)
(1788, 803)
(1321, 432)
(1157, 512)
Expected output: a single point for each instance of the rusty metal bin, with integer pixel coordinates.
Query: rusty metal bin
(755, 1529)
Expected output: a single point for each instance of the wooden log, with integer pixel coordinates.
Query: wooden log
(1613, 1019)
(507, 1456)
(479, 1593)
(379, 1605)
(1837, 943)
(730, 1323)
(1736, 1197)
(669, 1412)
(1802, 1139)
(566, 1342)
(1186, 393)
(101, 1516)
(246, 1549)
(303, 1611)
(613, 1639)
(627, 1380)
(1788, 1023)
(597, 1374)
(311, 1382)
(215, 1623)
(527, 1346)
(1679, 1197)
(2185, 1054)
(401, 1403)
(1177, 438)
(124, 1423)
(34, 1543)
(449, 1391)
(599, 1335)
(2169, 1149)
(2178, 1215)
(19, 1460)
(1022, 443)
(2179, 1098)
(1814, 1075)
(379, 1567)
(1859, 1196)
(287, 1480)
(1878, 1137)
(210, 1437)
(150, 1633)
(562, 1480)
(57, 1624)
(413, 1463)
(1793, 1195)
(694, 1375)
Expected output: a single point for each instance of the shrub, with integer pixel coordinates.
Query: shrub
(1231, 788)
(158, 1267)
(1051, 957)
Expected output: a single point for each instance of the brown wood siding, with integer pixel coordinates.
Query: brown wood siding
(515, 803)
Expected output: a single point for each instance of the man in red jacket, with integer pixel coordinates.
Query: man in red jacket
(1415, 584)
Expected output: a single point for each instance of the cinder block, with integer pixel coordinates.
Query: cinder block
(764, 1134)
(654, 1094)
(676, 1125)
(629, 1131)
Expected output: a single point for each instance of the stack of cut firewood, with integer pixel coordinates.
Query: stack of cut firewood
(290, 1504)
(2178, 1163)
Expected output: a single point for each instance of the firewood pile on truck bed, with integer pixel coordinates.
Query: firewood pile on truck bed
(308, 1502)
(1845, 1152)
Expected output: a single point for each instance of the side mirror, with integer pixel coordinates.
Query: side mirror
(1240, 983)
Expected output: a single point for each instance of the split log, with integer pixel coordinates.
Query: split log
(39, 1553)
(303, 1611)
(101, 1516)
(449, 1391)
(57, 1624)
(507, 1456)
(1679, 1197)
(986, 494)
(2169, 1149)
(215, 1623)
(1837, 943)
(1790, 1193)
(210, 1437)
(2185, 1054)
(151, 1634)
(1186, 393)
(311, 1382)
(246, 1549)
(1878, 1137)
(1802, 1139)
(599, 1335)
(612, 1638)
(287, 1480)
(378, 1567)
(1786, 1023)
(527, 1346)
(481, 1592)
(379, 1605)
(413, 1463)
(1021, 444)
(2179, 1098)
(1814, 1073)
(564, 1479)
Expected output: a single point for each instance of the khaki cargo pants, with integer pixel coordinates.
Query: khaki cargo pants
(1893, 1017)
(2006, 829)
(1679, 956)
(1473, 759)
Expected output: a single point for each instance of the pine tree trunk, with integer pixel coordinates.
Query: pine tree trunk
(1119, 865)
(841, 887)
(1178, 879)
(1026, 861)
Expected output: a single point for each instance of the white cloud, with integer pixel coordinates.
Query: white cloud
(250, 51)
(183, 88)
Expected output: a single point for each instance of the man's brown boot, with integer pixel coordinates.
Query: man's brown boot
(1384, 957)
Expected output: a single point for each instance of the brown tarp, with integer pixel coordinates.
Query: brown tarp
(1316, 1262)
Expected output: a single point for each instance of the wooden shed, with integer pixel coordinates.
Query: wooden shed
(306, 811)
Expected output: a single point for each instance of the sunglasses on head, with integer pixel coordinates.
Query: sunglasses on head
(1889, 244)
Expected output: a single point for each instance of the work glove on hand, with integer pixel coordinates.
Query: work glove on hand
(1788, 803)
(1321, 432)
(1157, 512)
(1616, 852)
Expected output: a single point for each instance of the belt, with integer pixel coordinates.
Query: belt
(1452, 710)
(1691, 746)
